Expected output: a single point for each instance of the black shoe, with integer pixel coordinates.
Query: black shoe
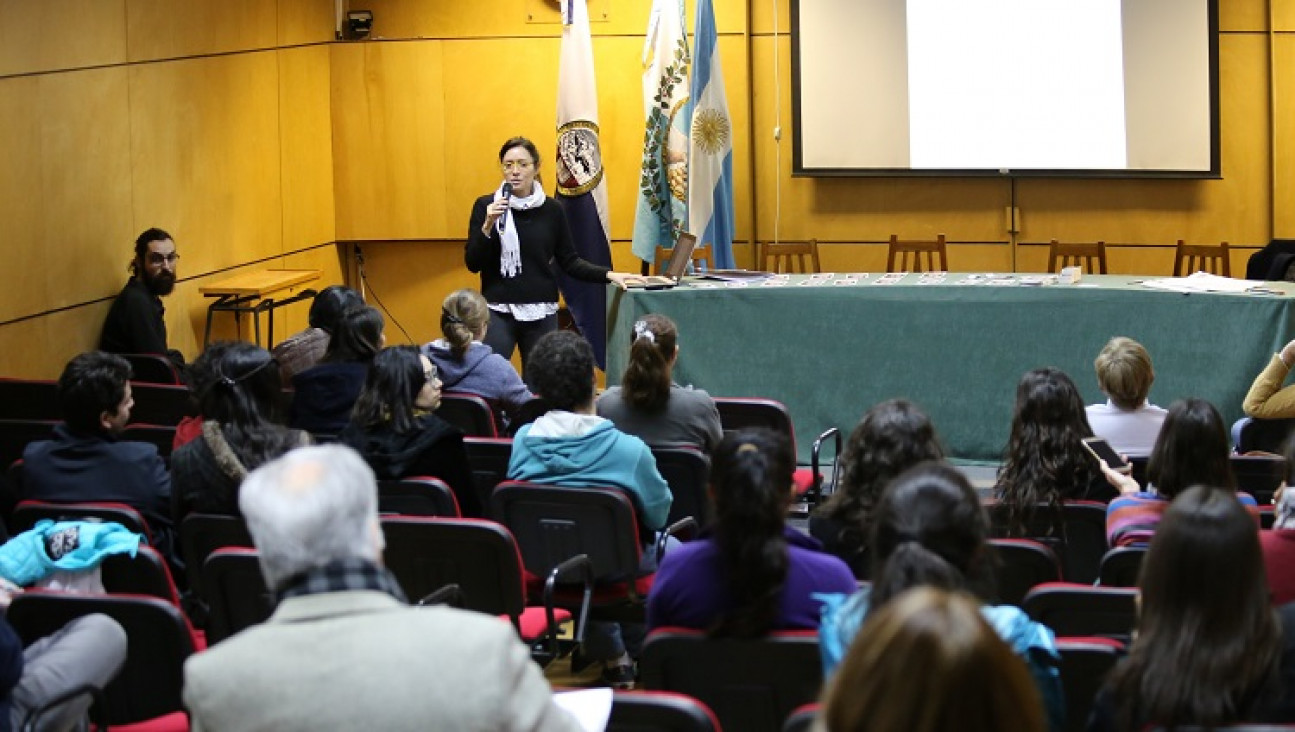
(619, 677)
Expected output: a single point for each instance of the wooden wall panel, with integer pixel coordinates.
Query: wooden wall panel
(305, 21)
(306, 147)
(1283, 194)
(1283, 15)
(389, 142)
(206, 161)
(328, 261)
(64, 193)
(160, 29)
(527, 18)
(60, 34)
(411, 279)
(1244, 15)
(41, 347)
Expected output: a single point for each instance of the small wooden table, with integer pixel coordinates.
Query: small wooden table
(250, 292)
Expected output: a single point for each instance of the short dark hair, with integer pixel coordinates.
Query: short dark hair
(560, 370)
(327, 307)
(1192, 448)
(149, 236)
(521, 142)
(358, 336)
(395, 378)
(91, 384)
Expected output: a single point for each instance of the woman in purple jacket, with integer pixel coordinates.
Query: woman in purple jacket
(750, 573)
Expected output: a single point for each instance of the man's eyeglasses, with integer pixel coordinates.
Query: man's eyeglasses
(511, 165)
(159, 259)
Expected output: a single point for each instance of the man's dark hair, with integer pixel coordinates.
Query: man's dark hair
(329, 304)
(560, 369)
(91, 384)
(149, 236)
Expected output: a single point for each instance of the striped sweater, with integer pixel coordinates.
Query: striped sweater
(1132, 519)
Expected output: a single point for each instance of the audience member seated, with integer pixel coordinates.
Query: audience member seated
(303, 350)
(1192, 450)
(86, 461)
(930, 529)
(343, 650)
(89, 650)
(751, 573)
(571, 446)
(394, 429)
(648, 404)
(1127, 420)
(465, 364)
(238, 394)
(326, 393)
(928, 662)
(1045, 460)
(1209, 649)
(135, 322)
(892, 437)
(1266, 398)
(1279, 543)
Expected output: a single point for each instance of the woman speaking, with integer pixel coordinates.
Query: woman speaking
(514, 236)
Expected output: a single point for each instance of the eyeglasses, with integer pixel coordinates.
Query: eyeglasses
(511, 165)
(157, 259)
(430, 374)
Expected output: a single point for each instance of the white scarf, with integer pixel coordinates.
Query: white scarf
(510, 255)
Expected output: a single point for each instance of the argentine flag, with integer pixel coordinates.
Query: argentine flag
(710, 148)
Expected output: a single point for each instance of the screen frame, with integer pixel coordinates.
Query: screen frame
(799, 170)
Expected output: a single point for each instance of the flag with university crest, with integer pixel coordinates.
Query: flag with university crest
(581, 186)
(662, 214)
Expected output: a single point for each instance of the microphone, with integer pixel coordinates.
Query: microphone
(507, 191)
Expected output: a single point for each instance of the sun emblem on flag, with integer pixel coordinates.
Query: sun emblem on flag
(710, 130)
(580, 158)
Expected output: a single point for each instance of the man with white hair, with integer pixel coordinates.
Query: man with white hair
(343, 650)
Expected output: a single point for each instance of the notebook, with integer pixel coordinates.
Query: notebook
(680, 257)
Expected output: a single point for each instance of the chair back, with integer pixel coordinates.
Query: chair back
(468, 412)
(1080, 610)
(157, 637)
(488, 458)
(237, 597)
(750, 684)
(701, 258)
(737, 413)
(554, 523)
(1189, 258)
(31, 399)
(1085, 663)
(802, 720)
(204, 533)
(790, 256)
(1089, 255)
(145, 573)
(1259, 475)
(16, 433)
(160, 436)
(426, 554)
(1023, 564)
(917, 255)
(1079, 541)
(1267, 435)
(1121, 566)
(27, 513)
(151, 368)
(686, 470)
(659, 711)
(417, 496)
(162, 404)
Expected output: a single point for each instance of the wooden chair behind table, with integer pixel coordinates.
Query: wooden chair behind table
(790, 256)
(917, 255)
(1189, 258)
(1089, 255)
(701, 258)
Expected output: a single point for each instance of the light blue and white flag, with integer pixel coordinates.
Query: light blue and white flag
(581, 186)
(662, 212)
(710, 149)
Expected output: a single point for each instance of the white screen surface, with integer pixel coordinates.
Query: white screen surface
(1017, 86)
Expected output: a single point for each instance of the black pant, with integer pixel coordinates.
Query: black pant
(506, 332)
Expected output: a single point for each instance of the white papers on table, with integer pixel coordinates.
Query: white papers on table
(592, 708)
(1202, 282)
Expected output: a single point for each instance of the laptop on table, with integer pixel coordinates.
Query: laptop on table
(676, 267)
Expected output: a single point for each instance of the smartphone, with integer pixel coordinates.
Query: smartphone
(1102, 450)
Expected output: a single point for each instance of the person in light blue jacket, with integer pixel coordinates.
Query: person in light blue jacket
(930, 529)
(571, 446)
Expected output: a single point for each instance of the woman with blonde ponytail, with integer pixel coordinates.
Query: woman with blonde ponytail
(466, 364)
(750, 573)
(648, 404)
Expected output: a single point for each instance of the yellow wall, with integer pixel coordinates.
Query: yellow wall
(245, 130)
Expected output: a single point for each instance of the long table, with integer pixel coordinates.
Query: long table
(830, 348)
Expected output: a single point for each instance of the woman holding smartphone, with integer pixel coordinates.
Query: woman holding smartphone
(515, 235)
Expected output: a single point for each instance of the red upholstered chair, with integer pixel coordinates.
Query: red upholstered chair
(16, 433)
(27, 513)
(482, 560)
(30, 399)
(1079, 540)
(1085, 662)
(1022, 565)
(687, 471)
(802, 720)
(751, 684)
(737, 413)
(1121, 565)
(1083, 610)
(203, 533)
(152, 368)
(468, 412)
(488, 458)
(236, 594)
(417, 496)
(659, 711)
(162, 404)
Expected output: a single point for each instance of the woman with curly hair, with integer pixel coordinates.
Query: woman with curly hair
(1045, 461)
(892, 437)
